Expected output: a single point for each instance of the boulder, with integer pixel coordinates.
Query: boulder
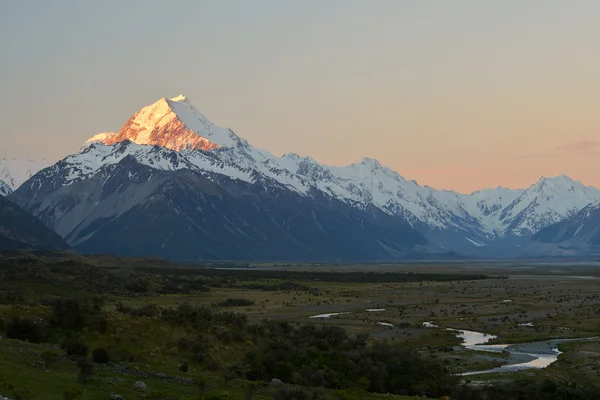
(276, 383)
(140, 386)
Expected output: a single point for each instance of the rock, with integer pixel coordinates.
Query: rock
(114, 396)
(276, 382)
(140, 386)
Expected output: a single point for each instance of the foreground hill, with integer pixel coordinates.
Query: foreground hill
(20, 230)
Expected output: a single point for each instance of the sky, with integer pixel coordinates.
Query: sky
(459, 95)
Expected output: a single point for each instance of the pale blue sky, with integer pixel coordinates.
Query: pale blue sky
(456, 94)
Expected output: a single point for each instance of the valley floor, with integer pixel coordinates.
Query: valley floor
(517, 303)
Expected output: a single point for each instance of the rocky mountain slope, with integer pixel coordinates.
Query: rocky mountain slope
(20, 230)
(98, 190)
(578, 233)
(5, 190)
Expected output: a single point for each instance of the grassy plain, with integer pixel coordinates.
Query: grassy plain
(556, 300)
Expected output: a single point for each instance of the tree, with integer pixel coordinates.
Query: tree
(76, 349)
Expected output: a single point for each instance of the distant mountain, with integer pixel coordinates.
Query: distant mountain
(486, 222)
(15, 171)
(93, 197)
(20, 230)
(579, 232)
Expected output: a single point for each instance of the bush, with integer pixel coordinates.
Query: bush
(184, 367)
(235, 303)
(198, 347)
(25, 329)
(74, 314)
(75, 349)
(149, 310)
(100, 356)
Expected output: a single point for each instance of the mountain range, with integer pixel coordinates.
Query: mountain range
(171, 183)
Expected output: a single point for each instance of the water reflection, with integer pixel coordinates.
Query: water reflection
(534, 355)
(328, 315)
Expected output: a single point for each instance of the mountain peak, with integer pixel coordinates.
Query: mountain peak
(556, 182)
(370, 161)
(291, 156)
(173, 123)
(179, 98)
(556, 178)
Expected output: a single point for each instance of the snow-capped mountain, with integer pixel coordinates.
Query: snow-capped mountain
(171, 136)
(462, 222)
(580, 231)
(98, 138)
(15, 171)
(548, 201)
(172, 184)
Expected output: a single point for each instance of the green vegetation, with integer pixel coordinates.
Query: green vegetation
(86, 327)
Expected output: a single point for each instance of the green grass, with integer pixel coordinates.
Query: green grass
(22, 374)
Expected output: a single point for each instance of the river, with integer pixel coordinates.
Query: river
(531, 355)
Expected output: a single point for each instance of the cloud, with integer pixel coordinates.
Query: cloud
(579, 148)
(537, 155)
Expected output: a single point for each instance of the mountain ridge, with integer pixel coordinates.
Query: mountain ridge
(20, 230)
(172, 135)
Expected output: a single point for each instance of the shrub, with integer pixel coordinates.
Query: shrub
(184, 367)
(74, 314)
(100, 356)
(149, 310)
(198, 347)
(25, 329)
(75, 349)
(235, 303)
